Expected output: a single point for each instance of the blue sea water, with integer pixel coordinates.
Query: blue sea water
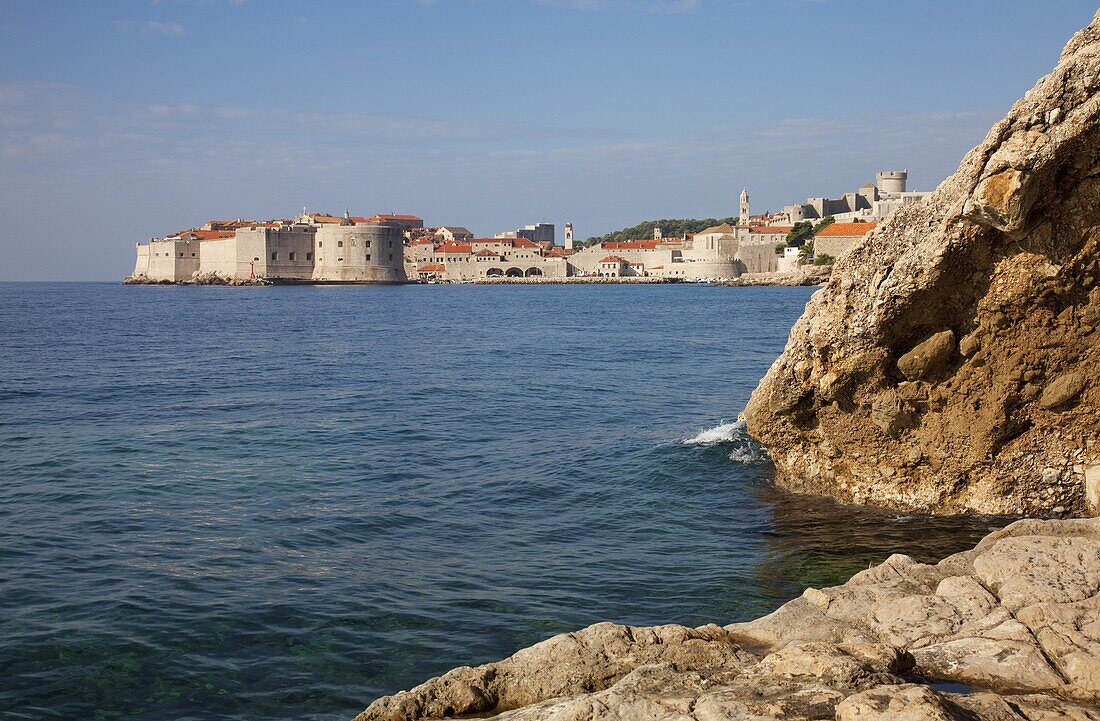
(280, 503)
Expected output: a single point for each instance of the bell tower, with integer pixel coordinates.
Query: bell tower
(568, 236)
(744, 215)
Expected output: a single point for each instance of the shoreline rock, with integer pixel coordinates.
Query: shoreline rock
(805, 276)
(1007, 630)
(952, 363)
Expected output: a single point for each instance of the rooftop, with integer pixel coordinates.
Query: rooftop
(846, 230)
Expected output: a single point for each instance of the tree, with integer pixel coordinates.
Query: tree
(807, 252)
(780, 248)
(825, 223)
(670, 228)
(824, 259)
(800, 233)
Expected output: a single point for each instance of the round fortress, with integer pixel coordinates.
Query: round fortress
(891, 181)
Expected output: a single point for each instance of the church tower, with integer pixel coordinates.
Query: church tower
(569, 236)
(744, 218)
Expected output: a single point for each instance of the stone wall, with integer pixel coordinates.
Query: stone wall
(359, 253)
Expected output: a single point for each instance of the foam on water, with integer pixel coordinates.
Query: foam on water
(724, 433)
(743, 449)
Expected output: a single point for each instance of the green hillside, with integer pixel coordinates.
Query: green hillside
(670, 228)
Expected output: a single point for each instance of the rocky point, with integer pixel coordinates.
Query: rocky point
(952, 363)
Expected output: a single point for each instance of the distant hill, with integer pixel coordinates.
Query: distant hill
(670, 228)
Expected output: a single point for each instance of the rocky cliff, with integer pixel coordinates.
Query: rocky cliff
(1009, 631)
(952, 363)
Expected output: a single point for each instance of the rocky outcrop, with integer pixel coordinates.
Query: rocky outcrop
(952, 363)
(1008, 630)
(805, 275)
(197, 279)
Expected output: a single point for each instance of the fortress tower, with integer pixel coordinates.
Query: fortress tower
(568, 242)
(744, 216)
(891, 181)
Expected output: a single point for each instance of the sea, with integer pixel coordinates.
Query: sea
(283, 502)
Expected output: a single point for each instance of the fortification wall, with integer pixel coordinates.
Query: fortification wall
(759, 258)
(834, 246)
(169, 260)
(287, 251)
(141, 264)
(219, 256)
(359, 253)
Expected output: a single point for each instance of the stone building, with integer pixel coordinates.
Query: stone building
(872, 202)
(835, 239)
(483, 258)
(404, 222)
(536, 232)
(311, 248)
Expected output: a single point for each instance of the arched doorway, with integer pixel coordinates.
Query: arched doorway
(533, 271)
(513, 273)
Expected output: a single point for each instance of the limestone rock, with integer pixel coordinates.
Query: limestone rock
(899, 703)
(1017, 619)
(928, 356)
(1004, 255)
(1062, 390)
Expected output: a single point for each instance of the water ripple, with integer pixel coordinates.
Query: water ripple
(277, 503)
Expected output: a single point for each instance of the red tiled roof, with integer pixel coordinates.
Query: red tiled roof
(612, 259)
(206, 234)
(455, 248)
(486, 253)
(423, 240)
(631, 244)
(326, 218)
(723, 229)
(846, 230)
(432, 268)
(383, 217)
(523, 243)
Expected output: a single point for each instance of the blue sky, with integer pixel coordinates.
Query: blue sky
(122, 120)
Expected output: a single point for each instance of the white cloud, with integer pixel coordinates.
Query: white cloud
(655, 7)
(150, 28)
(124, 172)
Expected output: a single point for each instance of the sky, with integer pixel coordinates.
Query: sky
(121, 120)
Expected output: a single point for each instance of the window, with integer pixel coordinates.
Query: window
(309, 256)
(368, 243)
(292, 255)
(275, 255)
(391, 257)
(319, 244)
(181, 255)
(339, 260)
(368, 257)
(339, 244)
(255, 259)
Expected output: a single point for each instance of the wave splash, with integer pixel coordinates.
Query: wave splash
(745, 449)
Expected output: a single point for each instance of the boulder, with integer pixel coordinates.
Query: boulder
(1062, 390)
(1004, 255)
(927, 357)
